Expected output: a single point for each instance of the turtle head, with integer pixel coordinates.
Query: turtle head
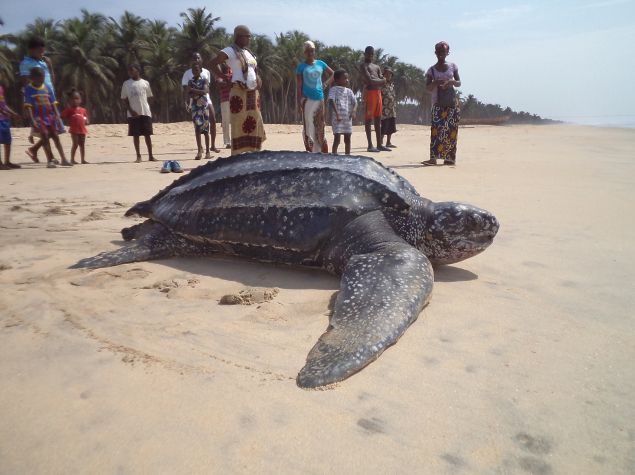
(457, 231)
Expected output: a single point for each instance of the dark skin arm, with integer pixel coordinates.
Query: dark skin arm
(431, 83)
(300, 82)
(133, 114)
(337, 114)
(214, 66)
(368, 79)
(198, 92)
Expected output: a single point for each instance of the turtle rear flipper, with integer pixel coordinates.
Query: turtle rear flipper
(153, 241)
(381, 294)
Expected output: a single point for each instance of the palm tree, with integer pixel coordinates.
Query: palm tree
(81, 61)
(289, 46)
(162, 69)
(127, 38)
(268, 64)
(198, 35)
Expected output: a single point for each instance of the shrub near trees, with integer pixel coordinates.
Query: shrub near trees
(91, 52)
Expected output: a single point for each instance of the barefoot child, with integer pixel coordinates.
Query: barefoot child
(198, 88)
(35, 57)
(5, 132)
(41, 105)
(344, 105)
(135, 93)
(77, 120)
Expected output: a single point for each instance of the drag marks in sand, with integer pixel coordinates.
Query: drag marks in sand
(146, 314)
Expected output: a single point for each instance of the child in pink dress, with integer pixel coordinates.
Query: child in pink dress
(77, 119)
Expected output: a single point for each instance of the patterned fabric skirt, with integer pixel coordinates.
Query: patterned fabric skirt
(314, 125)
(200, 114)
(247, 129)
(444, 132)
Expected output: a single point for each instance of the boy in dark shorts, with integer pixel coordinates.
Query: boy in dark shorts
(40, 102)
(135, 93)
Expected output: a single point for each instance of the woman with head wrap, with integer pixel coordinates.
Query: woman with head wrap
(441, 79)
(310, 96)
(247, 129)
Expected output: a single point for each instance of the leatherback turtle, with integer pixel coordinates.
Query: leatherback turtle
(349, 215)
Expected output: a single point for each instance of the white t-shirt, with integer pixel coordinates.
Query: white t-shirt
(137, 93)
(233, 61)
(189, 75)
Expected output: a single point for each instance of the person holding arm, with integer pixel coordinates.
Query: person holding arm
(247, 128)
(41, 106)
(373, 81)
(35, 58)
(310, 99)
(187, 98)
(198, 90)
(441, 79)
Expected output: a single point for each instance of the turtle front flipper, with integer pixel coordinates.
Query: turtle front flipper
(153, 241)
(381, 294)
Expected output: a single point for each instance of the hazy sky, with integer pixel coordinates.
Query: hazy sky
(570, 59)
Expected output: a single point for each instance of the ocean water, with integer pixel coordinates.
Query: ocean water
(622, 122)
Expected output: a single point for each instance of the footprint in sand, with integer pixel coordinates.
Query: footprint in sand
(250, 296)
(106, 279)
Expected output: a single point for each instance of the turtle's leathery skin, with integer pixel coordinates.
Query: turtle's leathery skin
(349, 215)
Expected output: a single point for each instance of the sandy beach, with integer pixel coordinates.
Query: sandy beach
(521, 363)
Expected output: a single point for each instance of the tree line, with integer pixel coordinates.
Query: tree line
(91, 52)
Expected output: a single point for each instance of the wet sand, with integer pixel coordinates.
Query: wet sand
(522, 362)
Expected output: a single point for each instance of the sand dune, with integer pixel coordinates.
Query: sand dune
(522, 362)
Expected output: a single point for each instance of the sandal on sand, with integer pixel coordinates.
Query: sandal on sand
(32, 156)
(198, 156)
(391, 146)
(152, 159)
(372, 149)
(449, 162)
(56, 161)
(13, 165)
(429, 163)
(4, 167)
(384, 149)
(215, 150)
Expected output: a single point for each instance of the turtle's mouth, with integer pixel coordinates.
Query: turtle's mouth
(482, 238)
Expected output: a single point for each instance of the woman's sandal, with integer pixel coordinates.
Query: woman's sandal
(449, 162)
(429, 163)
(198, 156)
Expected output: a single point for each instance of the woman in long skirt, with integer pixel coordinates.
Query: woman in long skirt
(310, 94)
(441, 78)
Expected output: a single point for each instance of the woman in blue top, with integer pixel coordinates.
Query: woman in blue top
(310, 96)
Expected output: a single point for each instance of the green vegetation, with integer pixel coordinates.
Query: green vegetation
(91, 52)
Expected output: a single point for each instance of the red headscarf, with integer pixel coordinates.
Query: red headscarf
(443, 43)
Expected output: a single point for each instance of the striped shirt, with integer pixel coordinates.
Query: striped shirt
(41, 100)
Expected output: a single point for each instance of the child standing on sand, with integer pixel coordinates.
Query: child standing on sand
(77, 120)
(344, 105)
(135, 93)
(40, 102)
(5, 132)
(197, 89)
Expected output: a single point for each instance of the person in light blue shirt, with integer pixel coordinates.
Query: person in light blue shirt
(310, 96)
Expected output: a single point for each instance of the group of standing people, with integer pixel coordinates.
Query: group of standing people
(236, 77)
(380, 104)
